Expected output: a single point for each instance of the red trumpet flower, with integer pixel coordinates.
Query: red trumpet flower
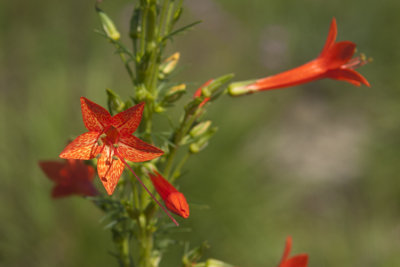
(300, 260)
(174, 200)
(110, 138)
(335, 62)
(72, 177)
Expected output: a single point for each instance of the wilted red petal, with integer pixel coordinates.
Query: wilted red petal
(83, 147)
(174, 200)
(348, 75)
(128, 120)
(95, 117)
(330, 40)
(71, 177)
(85, 172)
(109, 169)
(52, 169)
(136, 150)
(62, 191)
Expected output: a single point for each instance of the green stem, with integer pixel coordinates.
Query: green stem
(146, 245)
(127, 66)
(177, 171)
(167, 23)
(187, 121)
(125, 252)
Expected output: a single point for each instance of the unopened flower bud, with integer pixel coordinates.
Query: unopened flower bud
(174, 200)
(108, 25)
(170, 63)
(216, 263)
(175, 93)
(114, 101)
(200, 144)
(200, 128)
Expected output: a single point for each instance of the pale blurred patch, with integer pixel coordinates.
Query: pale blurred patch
(274, 47)
(311, 141)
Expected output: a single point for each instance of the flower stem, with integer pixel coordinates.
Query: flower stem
(125, 252)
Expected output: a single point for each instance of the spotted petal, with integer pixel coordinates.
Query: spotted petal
(128, 120)
(83, 147)
(95, 117)
(136, 150)
(109, 169)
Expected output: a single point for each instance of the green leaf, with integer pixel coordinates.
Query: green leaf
(180, 30)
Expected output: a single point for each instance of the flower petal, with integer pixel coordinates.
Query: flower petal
(62, 191)
(300, 260)
(347, 75)
(136, 150)
(95, 117)
(305, 73)
(86, 188)
(339, 54)
(288, 247)
(52, 169)
(109, 169)
(128, 120)
(331, 38)
(83, 147)
(83, 171)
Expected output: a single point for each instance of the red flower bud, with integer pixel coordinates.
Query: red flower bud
(174, 200)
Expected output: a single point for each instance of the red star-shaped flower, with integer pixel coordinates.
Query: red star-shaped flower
(72, 177)
(300, 260)
(174, 200)
(111, 138)
(335, 62)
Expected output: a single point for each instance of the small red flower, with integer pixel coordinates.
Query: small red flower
(198, 93)
(111, 138)
(335, 62)
(174, 200)
(72, 177)
(300, 260)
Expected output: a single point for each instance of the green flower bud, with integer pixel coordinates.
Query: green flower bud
(114, 101)
(108, 25)
(170, 63)
(216, 263)
(200, 128)
(175, 93)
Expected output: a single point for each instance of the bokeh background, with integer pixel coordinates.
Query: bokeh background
(319, 162)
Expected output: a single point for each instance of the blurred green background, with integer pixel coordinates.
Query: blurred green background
(319, 162)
